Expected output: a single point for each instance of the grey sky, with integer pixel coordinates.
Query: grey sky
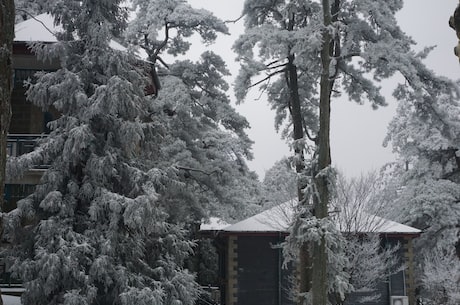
(357, 130)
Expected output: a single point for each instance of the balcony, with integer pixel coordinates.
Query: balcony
(20, 144)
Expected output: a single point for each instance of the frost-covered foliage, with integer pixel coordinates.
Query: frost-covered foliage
(441, 278)
(317, 230)
(156, 21)
(370, 264)
(358, 262)
(280, 52)
(369, 46)
(130, 175)
(26, 9)
(205, 143)
(427, 198)
(279, 184)
(359, 202)
(425, 181)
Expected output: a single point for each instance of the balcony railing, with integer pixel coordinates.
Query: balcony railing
(19, 144)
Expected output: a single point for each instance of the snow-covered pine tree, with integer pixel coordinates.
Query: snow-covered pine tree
(425, 133)
(110, 221)
(308, 52)
(205, 145)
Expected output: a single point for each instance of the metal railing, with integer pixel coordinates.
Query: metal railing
(210, 296)
(19, 144)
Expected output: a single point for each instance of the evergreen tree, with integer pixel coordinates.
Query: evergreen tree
(205, 142)
(130, 175)
(279, 184)
(309, 52)
(425, 134)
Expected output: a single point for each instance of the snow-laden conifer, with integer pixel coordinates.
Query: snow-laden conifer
(425, 178)
(305, 53)
(129, 175)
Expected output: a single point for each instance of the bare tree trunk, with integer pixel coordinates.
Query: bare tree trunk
(319, 255)
(305, 270)
(7, 14)
(6, 80)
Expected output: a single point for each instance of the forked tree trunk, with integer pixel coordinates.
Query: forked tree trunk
(7, 14)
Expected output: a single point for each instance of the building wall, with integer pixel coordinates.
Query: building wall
(255, 276)
(254, 272)
(27, 121)
(27, 118)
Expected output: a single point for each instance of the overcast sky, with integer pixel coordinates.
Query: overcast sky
(357, 131)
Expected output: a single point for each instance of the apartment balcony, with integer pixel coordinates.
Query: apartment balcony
(20, 144)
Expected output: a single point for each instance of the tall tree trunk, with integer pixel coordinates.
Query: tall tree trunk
(7, 14)
(305, 270)
(305, 265)
(319, 255)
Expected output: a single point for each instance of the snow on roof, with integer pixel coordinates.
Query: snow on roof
(278, 219)
(42, 28)
(11, 300)
(38, 28)
(213, 224)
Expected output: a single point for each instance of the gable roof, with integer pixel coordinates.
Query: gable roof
(38, 28)
(278, 219)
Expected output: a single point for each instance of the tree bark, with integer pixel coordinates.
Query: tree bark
(6, 81)
(305, 268)
(319, 255)
(7, 15)
(305, 263)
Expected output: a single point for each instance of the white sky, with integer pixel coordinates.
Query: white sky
(357, 130)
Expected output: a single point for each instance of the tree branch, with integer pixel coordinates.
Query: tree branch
(189, 169)
(163, 44)
(266, 78)
(33, 17)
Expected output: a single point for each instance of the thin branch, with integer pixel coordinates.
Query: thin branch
(163, 44)
(350, 55)
(39, 21)
(263, 91)
(307, 133)
(163, 62)
(195, 170)
(276, 67)
(275, 61)
(236, 20)
(266, 78)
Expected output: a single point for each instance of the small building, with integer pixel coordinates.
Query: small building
(251, 264)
